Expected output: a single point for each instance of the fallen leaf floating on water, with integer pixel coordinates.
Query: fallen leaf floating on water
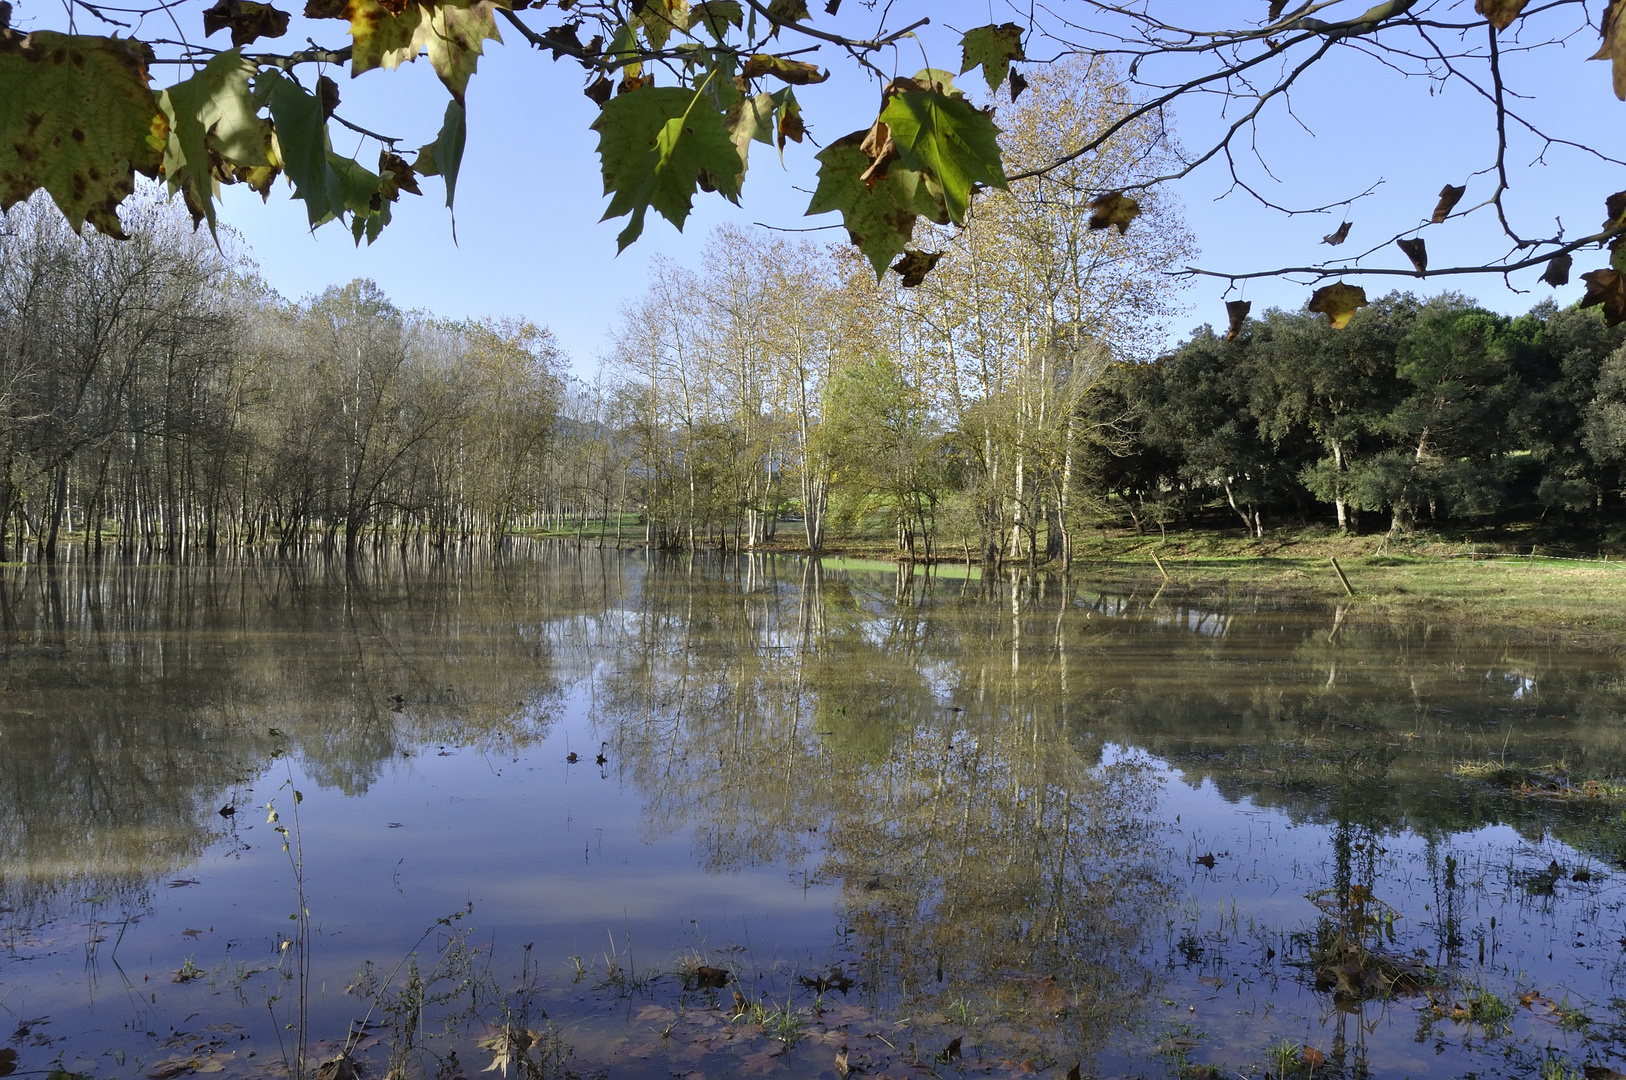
(1338, 303)
(1603, 1072)
(1113, 209)
(573, 757)
(1337, 236)
(1074, 1074)
(1449, 197)
(1206, 860)
(1312, 1057)
(1237, 312)
(708, 977)
(951, 1052)
(842, 1067)
(181, 883)
(8, 1061)
(1417, 251)
(1500, 13)
(1558, 270)
(228, 810)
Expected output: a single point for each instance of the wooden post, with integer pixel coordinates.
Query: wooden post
(1341, 576)
(1160, 569)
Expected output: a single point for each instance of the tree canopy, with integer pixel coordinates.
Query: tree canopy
(685, 87)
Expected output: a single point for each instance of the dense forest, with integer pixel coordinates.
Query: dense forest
(156, 395)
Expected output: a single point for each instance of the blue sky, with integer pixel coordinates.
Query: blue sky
(529, 198)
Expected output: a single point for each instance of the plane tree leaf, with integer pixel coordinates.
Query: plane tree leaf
(795, 72)
(248, 21)
(880, 216)
(1337, 236)
(1417, 251)
(1113, 210)
(389, 33)
(79, 119)
(944, 134)
(717, 16)
(331, 186)
(1338, 303)
(1500, 13)
(915, 265)
(992, 48)
(1606, 289)
(215, 134)
(788, 116)
(1614, 44)
(660, 19)
(1558, 270)
(444, 156)
(654, 145)
(1236, 311)
(1450, 195)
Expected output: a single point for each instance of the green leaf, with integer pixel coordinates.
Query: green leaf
(213, 119)
(451, 32)
(448, 147)
(717, 16)
(786, 11)
(655, 143)
(788, 114)
(880, 219)
(992, 47)
(750, 120)
(659, 19)
(77, 118)
(946, 136)
(330, 185)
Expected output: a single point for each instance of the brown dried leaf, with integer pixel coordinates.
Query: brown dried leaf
(1337, 236)
(600, 90)
(1500, 13)
(795, 72)
(1338, 303)
(1614, 44)
(328, 92)
(1449, 197)
(1606, 289)
(1417, 251)
(1312, 1057)
(915, 265)
(1237, 312)
(1558, 270)
(1018, 84)
(1276, 9)
(247, 20)
(1113, 209)
(1615, 205)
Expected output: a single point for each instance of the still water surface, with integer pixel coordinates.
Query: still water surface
(578, 812)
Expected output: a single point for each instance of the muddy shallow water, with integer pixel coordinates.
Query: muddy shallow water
(578, 812)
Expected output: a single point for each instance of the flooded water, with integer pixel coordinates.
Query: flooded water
(579, 812)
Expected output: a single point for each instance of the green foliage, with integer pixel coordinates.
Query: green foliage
(938, 132)
(213, 116)
(657, 144)
(76, 118)
(992, 48)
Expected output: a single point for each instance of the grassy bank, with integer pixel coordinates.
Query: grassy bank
(1434, 578)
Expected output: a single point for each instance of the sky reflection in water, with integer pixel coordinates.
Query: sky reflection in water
(992, 807)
